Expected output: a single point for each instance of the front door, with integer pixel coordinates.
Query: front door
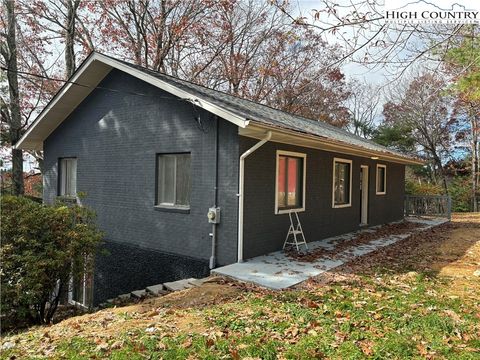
(364, 195)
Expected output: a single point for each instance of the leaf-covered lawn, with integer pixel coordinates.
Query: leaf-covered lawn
(416, 299)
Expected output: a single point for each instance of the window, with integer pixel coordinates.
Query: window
(81, 286)
(68, 177)
(290, 182)
(381, 179)
(173, 180)
(342, 183)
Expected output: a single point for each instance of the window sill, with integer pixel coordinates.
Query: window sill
(172, 209)
(381, 193)
(286, 211)
(67, 199)
(340, 206)
(78, 304)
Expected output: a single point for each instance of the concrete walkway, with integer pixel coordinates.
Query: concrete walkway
(277, 271)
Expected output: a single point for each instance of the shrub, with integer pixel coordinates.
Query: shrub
(39, 245)
(461, 193)
(424, 188)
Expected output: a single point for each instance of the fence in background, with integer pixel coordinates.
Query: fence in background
(428, 205)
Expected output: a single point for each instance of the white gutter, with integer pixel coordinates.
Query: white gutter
(241, 183)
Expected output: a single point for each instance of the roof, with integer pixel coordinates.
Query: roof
(244, 113)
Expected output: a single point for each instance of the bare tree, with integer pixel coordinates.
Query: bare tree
(363, 105)
(154, 32)
(368, 39)
(59, 18)
(11, 115)
(424, 111)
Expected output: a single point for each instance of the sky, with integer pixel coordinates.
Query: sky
(355, 70)
(380, 75)
(352, 70)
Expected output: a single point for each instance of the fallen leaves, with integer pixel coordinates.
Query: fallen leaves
(366, 346)
(379, 299)
(361, 237)
(187, 343)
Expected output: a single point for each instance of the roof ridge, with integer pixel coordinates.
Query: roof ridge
(333, 127)
(230, 101)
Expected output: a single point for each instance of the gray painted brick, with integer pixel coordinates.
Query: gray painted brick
(265, 232)
(116, 136)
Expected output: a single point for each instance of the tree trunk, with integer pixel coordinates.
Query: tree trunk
(15, 125)
(438, 164)
(475, 158)
(70, 38)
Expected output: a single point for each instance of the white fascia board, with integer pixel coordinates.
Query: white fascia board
(207, 105)
(58, 96)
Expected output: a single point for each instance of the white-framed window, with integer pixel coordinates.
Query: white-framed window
(68, 177)
(173, 180)
(290, 180)
(381, 179)
(81, 287)
(342, 183)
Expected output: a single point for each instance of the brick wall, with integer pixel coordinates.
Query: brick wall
(265, 232)
(116, 135)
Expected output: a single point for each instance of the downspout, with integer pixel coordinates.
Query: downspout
(213, 234)
(241, 180)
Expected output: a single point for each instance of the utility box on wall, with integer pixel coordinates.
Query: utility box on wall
(214, 215)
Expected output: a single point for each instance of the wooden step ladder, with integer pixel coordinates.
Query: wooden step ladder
(295, 230)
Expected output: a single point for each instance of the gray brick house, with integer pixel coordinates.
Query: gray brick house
(152, 154)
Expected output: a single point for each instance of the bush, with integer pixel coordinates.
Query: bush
(39, 245)
(424, 188)
(461, 192)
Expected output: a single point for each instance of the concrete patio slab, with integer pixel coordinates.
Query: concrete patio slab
(278, 271)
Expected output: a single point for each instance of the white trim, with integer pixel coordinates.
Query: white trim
(384, 192)
(82, 304)
(304, 180)
(344, 161)
(292, 137)
(205, 104)
(172, 89)
(54, 101)
(365, 187)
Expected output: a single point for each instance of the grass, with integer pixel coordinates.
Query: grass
(381, 308)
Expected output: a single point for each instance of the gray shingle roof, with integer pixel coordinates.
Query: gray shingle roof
(269, 116)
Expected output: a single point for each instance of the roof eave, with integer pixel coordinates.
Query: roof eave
(47, 122)
(257, 130)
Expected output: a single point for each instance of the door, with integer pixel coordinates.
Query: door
(363, 195)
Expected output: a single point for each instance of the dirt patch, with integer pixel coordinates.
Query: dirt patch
(197, 297)
(451, 251)
(190, 323)
(166, 314)
(458, 258)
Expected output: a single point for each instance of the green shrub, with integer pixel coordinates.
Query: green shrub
(461, 192)
(423, 188)
(39, 245)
